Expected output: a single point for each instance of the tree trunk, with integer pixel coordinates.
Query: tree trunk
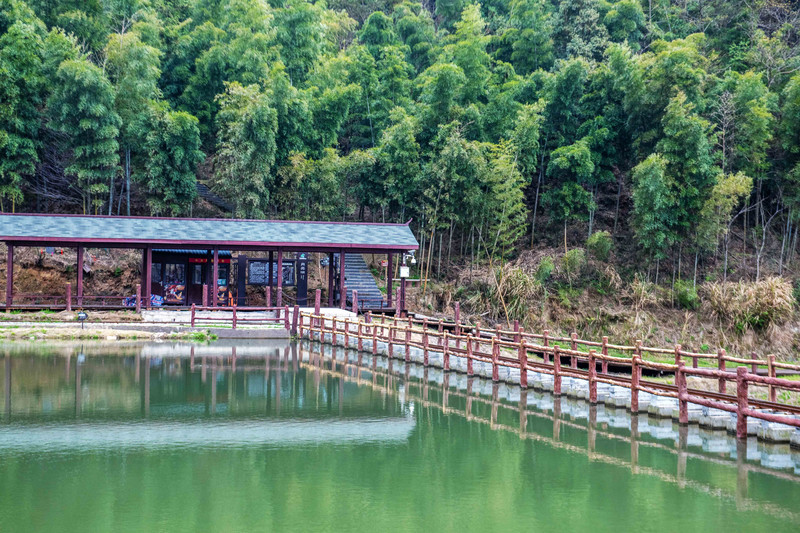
(128, 180)
(616, 209)
(565, 236)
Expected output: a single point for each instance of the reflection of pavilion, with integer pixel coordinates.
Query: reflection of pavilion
(265, 388)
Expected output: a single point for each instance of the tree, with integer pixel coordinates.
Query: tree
(21, 93)
(246, 149)
(626, 23)
(653, 205)
(526, 43)
(689, 161)
(398, 161)
(578, 30)
(134, 69)
(172, 149)
(469, 52)
(507, 212)
(82, 107)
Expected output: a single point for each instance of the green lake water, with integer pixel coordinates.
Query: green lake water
(166, 438)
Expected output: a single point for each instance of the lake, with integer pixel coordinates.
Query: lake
(173, 437)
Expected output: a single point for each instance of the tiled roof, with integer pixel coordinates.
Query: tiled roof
(222, 253)
(203, 232)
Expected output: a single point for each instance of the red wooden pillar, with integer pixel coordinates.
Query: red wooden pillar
(389, 281)
(10, 277)
(279, 273)
(331, 270)
(80, 276)
(269, 278)
(69, 296)
(138, 297)
(402, 303)
(342, 289)
(215, 278)
(556, 371)
(721, 367)
(741, 404)
(147, 257)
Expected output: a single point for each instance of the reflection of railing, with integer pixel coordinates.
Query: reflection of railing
(501, 352)
(237, 318)
(421, 392)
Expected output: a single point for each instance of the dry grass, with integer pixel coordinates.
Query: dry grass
(748, 305)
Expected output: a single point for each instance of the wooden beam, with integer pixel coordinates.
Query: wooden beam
(279, 273)
(330, 279)
(389, 274)
(342, 288)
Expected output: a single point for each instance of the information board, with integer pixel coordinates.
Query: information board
(258, 272)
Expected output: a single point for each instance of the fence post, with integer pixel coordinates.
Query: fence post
(556, 371)
(425, 342)
(333, 330)
(295, 319)
(300, 327)
(374, 339)
(234, 317)
(523, 362)
(360, 340)
(285, 317)
(683, 403)
(346, 334)
(205, 295)
(741, 404)
(573, 361)
(408, 344)
(677, 353)
(495, 357)
(546, 343)
(138, 297)
(390, 339)
(592, 378)
(721, 366)
(193, 311)
(604, 364)
(355, 302)
(69, 296)
(773, 393)
(469, 354)
(457, 318)
(279, 303)
(446, 352)
(635, 372)
(268, 295)
(755, 366)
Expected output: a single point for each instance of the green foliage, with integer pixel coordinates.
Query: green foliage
(573, 262)
(599, 244)
(246, 149)
(82, 107)
(172, 151)
(545, 269)
(686, 295)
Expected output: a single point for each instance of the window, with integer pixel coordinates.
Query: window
(174, 274)
(155, 273)
(197, 274)
(223, 276)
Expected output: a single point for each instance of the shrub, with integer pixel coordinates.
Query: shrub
(686, 294)
(573, 261)
(642, 293)
(750, 304)
(516, 289)
(545, 269)
(599, 245)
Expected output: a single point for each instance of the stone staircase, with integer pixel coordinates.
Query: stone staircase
(358, 277)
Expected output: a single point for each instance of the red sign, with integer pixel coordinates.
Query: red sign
(384, 262)
(201, 260)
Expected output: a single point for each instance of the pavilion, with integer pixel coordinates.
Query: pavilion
(214, 237)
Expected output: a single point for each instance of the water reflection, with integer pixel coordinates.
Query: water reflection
(190, 397)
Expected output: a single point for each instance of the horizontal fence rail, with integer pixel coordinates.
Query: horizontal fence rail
(515, 349)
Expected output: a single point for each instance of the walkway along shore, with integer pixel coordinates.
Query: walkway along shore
(538, 360)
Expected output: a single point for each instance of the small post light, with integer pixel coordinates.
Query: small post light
(82, 316)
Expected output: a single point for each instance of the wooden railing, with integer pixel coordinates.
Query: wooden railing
(516, 350)
(237, 318)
